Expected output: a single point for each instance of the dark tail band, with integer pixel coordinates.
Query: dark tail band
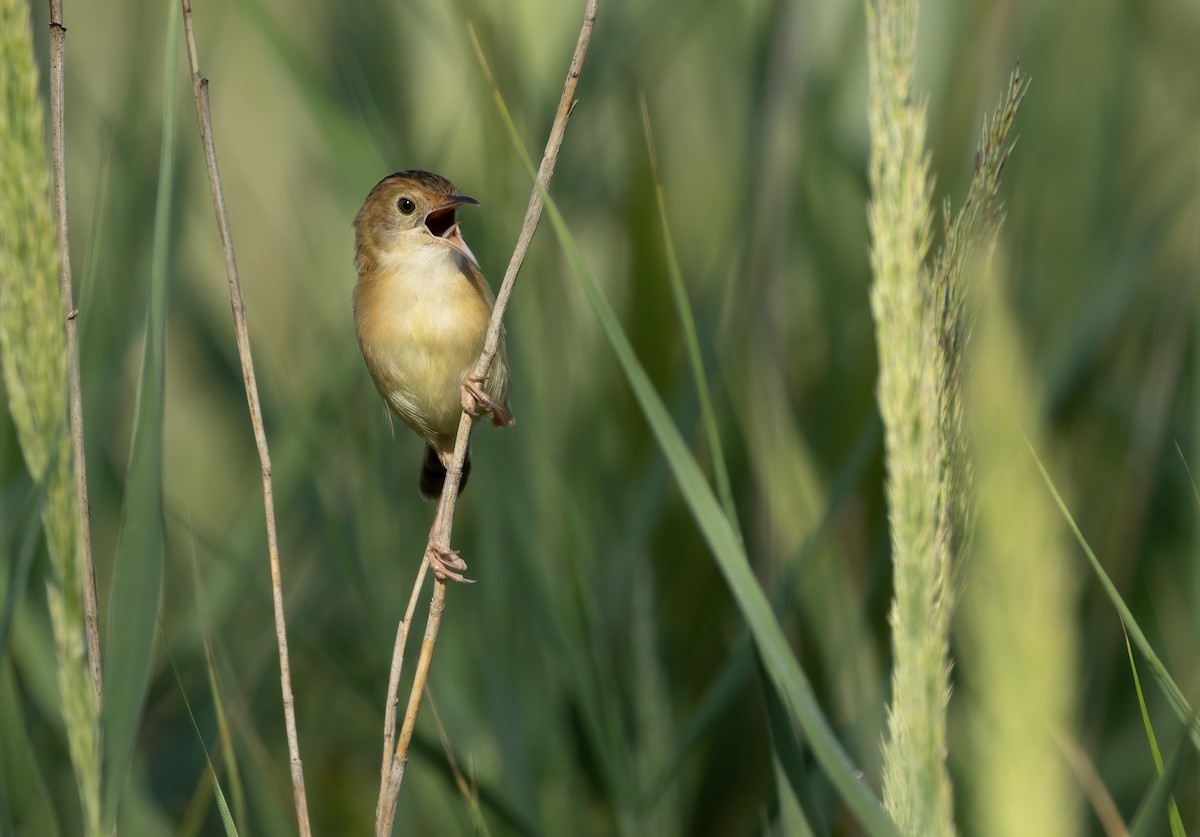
(433, 475)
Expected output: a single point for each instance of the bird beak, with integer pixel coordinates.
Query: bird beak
(442, 224)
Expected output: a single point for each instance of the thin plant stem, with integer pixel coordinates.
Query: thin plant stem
(389, 712)
(58, 134)
(443, 523)
(238, 304)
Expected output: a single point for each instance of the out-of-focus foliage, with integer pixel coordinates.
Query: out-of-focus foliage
(596, 679)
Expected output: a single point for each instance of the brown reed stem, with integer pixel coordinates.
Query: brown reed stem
(58, 154)
(443, 523)
(389, 712)
(242, 332)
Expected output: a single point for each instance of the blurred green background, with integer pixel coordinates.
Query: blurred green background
(597, 679)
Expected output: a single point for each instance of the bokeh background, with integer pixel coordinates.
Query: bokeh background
(597, 679)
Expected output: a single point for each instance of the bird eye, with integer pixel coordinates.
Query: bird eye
(406, 206)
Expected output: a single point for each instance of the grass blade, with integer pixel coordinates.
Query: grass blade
(1133, 630)
(1172, 809)
(1017, 645)
(222, 805)
(20, 565)
(223, 728)
(24, 799)
(1149, 817)
(137, 580)
(780, 663)
(688, 323)
(787, 758)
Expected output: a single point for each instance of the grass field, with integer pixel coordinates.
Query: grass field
(601, 677)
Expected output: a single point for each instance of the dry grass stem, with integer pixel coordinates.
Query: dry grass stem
(58, 155)
(389, 712)
(439, 535)
(237, 302)
(1103, 807)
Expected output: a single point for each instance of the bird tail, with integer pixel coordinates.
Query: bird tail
(433, 474)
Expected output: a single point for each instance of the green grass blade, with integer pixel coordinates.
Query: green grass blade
(1148, 819)
(1173, 693)
(730, 680)
(688, 323)
(1173, 810)
(24, 799)
(229, 755)
(780, 663)
(95, 239)
(222, 805)
(1017, 645)
(137, 580)
(20, 564)
(787, 760)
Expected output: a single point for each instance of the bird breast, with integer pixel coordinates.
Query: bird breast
(421, 319)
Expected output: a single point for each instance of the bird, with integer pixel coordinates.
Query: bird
(421, 313)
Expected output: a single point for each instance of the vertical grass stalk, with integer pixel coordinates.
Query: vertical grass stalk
(242, 334)
(33, 346)
(916, 785)
(58, 145)
(1017, 626)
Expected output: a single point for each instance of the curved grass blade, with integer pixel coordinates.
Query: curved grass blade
(778, 660)
(222, 805)
(1150, 814)
(688, 323)
(1172, 809)
(787, 761)
(727, 549)
(228, 753)
(137, 580)
(1173, 693)
(23, 794)
(731, 679)
(21, 564)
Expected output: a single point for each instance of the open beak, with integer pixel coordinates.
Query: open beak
(442, 223)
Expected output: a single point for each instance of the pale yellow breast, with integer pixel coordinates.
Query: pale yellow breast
(421, 322)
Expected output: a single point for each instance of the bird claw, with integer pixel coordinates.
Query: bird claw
(475, 398)
(447, 564)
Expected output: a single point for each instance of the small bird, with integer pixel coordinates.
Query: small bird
(421, 312)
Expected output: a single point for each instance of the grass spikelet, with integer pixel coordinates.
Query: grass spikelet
(916, 785)
(969, 238)
(33, 347)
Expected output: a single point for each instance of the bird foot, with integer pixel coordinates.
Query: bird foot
(447, 564)
(475, 398)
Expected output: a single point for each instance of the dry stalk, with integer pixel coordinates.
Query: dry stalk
(389, 712)
(58, 135)
(443, 523)
(238, 304)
